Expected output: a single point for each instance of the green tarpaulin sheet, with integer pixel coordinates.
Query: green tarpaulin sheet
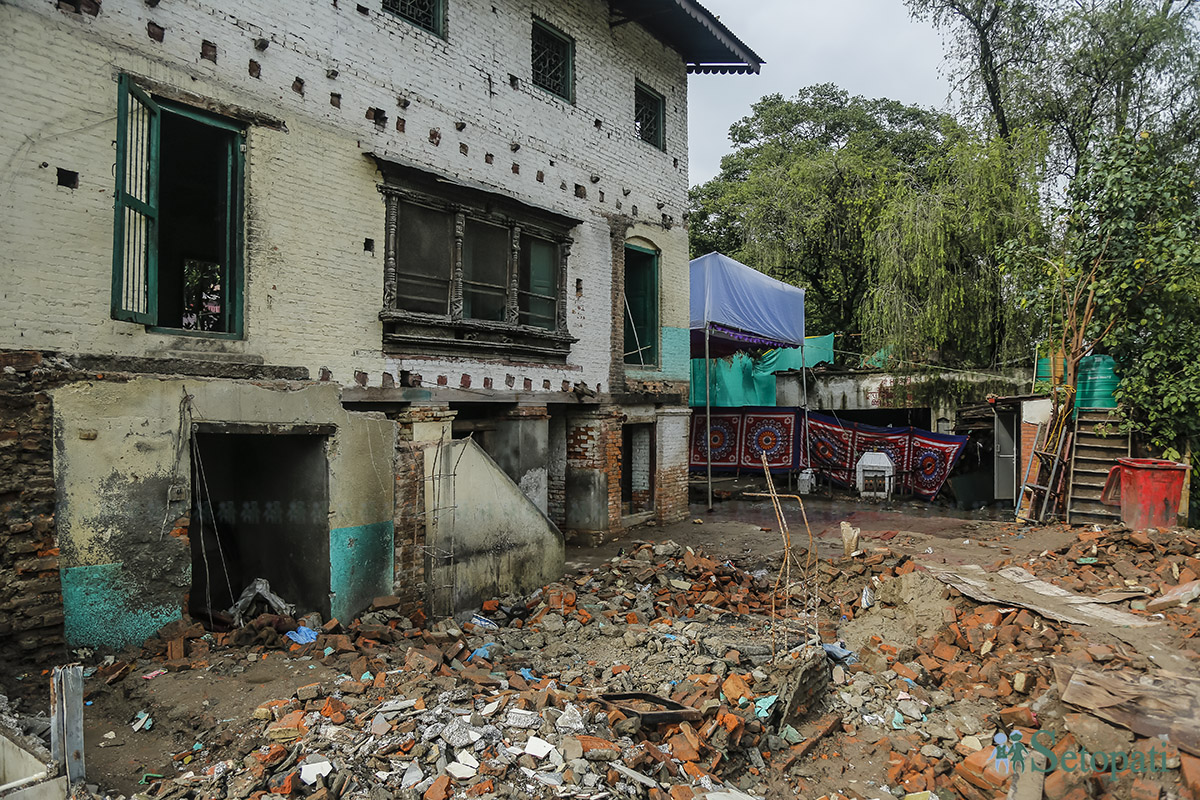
(742, 380)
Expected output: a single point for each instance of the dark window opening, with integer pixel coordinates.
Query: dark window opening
(423, 282)
(427, 14)
(68, 178)
(177, 253)
(260, 510)
(537, 297)
(637, 468)
(485, 270)
(649, 112)
(641, 306)
(193, 232)
(553, 60)
(426, 250)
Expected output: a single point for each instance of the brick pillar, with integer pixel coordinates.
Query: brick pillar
(593, 474)
(671, 463)
(1028, 436)
(618, 229)
(415, 429)
(31, 604)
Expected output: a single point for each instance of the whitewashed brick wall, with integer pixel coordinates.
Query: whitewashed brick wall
(312, 293)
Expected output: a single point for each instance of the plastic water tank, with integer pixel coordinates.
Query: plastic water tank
(1097, 381)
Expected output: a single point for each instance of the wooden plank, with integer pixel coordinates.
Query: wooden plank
(1015, 586)
(66, 720)
(1150, 704)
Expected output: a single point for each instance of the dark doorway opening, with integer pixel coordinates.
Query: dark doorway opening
(637, 468)
(260, 510)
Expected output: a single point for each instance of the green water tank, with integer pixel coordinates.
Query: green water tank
(1096, 382)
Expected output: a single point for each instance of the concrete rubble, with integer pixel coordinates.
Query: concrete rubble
(909, 696)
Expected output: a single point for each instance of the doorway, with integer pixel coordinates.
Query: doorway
(260, 509)
(637, 469)
(1004, 456)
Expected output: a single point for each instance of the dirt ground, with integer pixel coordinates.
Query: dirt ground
(747, 531)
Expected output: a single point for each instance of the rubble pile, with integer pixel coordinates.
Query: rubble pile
(1161, 565)
(650, 677)
(668, 674)
(950, 678)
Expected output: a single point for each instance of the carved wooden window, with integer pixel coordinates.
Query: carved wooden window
(487, 250)
(552, 60)
(480, 272)
(427, 14)
(538, 288)
(428, 235)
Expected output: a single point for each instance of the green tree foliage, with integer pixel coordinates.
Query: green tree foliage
(797, 196)
(1132, 235)
(1082, 71)
(888, 214)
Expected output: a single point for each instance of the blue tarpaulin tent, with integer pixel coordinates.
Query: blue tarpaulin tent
(734, 308)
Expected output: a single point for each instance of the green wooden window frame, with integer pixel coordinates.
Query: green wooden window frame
(649, 115)
(135, 275)
(640, 298)
(429, 15)
(552, 60)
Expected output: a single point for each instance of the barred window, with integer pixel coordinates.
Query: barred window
(649, 111)
(427, 14)
(553, 60)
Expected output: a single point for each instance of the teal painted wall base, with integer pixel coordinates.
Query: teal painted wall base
(360, 566)
(676, 357)
(101, 608)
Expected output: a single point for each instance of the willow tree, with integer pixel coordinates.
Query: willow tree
(942, 290)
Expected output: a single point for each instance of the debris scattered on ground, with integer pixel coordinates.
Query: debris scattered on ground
(654, 676)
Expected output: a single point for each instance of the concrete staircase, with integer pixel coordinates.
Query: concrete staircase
(1092, 456)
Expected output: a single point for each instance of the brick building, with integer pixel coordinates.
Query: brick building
(267, 270)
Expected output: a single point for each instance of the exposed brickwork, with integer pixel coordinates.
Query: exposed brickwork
(618, 228)
(671, 479)
(671, 494)
(31, 617)
(657, 387)
(594, 443)
(409, 539)
(1028, 435)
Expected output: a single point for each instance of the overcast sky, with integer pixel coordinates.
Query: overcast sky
(867, 47)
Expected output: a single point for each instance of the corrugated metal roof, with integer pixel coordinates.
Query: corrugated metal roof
(702, 39)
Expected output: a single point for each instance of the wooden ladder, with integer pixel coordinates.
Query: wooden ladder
(1044, 487)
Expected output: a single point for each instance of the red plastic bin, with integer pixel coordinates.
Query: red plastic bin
(1147, 489)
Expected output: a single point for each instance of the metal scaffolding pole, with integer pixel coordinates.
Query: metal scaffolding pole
(708, 413)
